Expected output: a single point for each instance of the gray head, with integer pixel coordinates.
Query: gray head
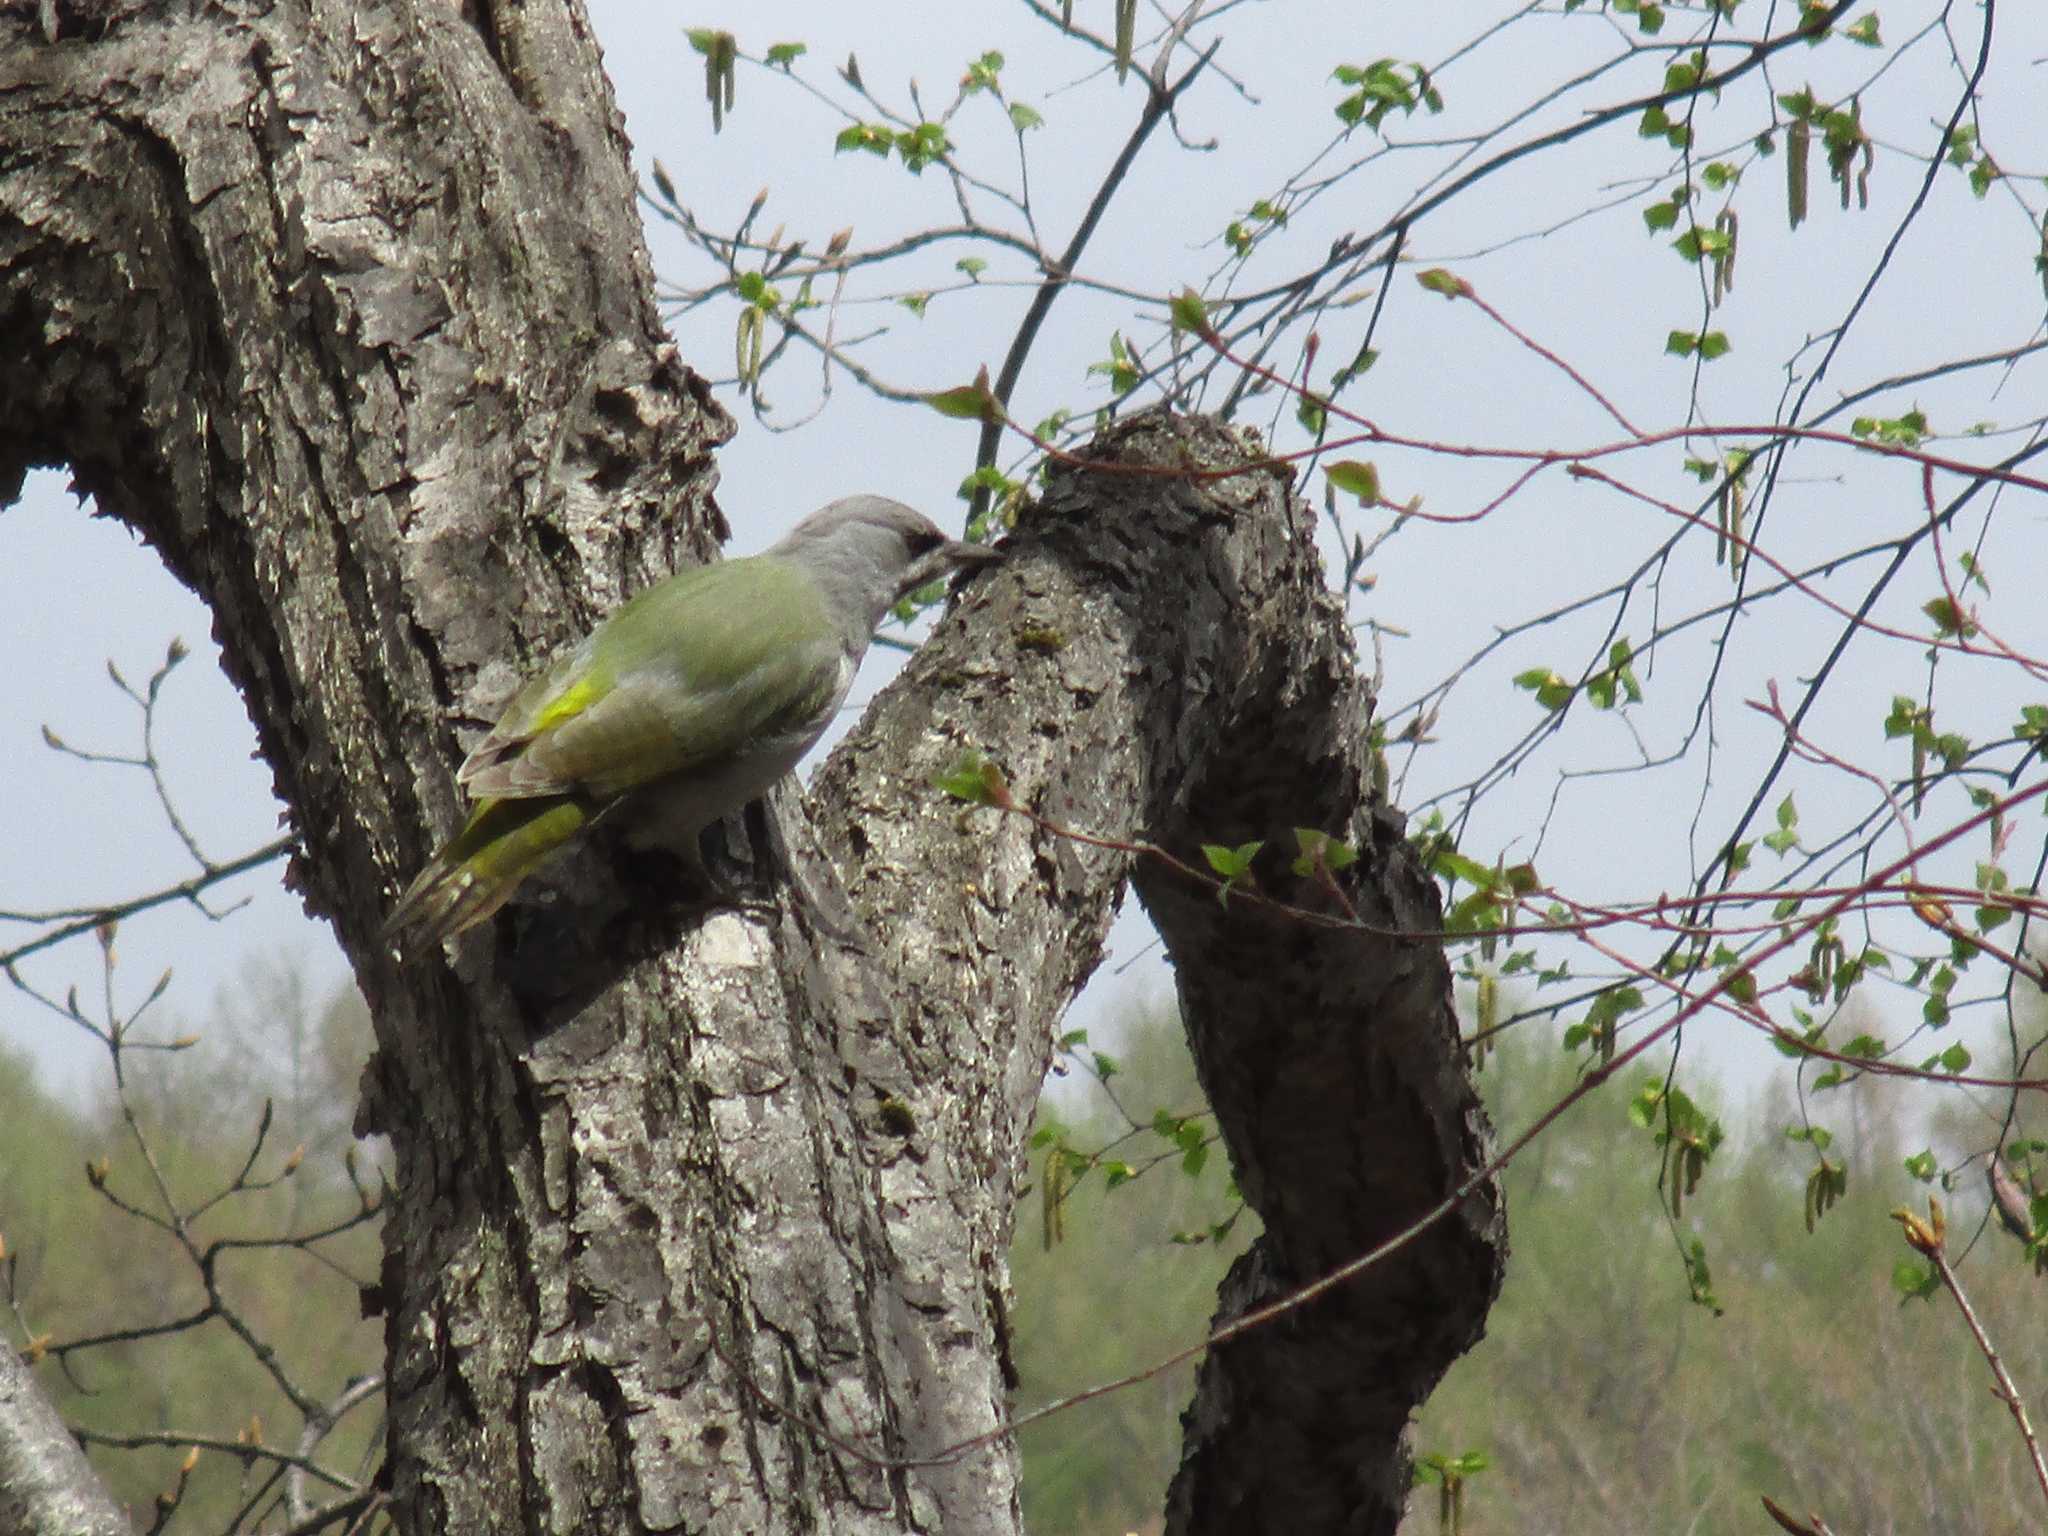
(868, 553)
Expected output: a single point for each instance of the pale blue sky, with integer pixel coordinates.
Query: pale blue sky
(77, 592)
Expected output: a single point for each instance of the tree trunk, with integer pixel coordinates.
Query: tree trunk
(700, 1222)
(45, 1484)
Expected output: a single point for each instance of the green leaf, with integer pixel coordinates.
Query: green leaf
(1642, 1109)
(1023, 118)
(1355, 477)
(1801, 104)
(1701, 243)
(1453, 865)
(1786, 837)
(1050, 428)
(782, 55)
(1382, 87)
(969, 402)
(973, 266)
(1321, 851)
(981, 74)
(1907, 431)
(1906, 718)
(1437, 1468)
(1948, 619)
(1699, 1281)
(1189, 313)
(1361, 363)
(1914, 1281)
(1231, 863)
(1621, 664)
(1609, 1009)
(926, 144)
(872, 137)
(1449, 284)
(1122, 367)
(1551, 690)
(977, 781)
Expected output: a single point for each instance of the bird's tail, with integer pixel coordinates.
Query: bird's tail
(502, 843)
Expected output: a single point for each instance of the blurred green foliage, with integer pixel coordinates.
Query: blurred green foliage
(1602, 1398)
(80, 1267)
(1116, 1293)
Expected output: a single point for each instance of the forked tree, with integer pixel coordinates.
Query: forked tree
(700, 1217)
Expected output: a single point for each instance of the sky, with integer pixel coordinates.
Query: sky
(77, 592)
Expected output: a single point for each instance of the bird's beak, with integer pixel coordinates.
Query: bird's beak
(944, 561)
(968, 557)
(952, 558)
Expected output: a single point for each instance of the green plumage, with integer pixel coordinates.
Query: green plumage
(717, 655)
(689, 701)
(502, 843)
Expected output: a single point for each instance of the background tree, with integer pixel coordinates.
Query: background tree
(1601, 1397)
(193, 1302)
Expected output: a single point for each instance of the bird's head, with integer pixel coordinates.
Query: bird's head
(868, 553)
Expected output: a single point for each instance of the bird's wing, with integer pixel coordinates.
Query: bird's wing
(704, 664)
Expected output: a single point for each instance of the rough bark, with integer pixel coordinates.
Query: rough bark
(45, 1484)
(1161, 661)
(700, 1223)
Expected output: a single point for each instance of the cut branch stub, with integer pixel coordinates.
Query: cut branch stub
(1160, 662)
